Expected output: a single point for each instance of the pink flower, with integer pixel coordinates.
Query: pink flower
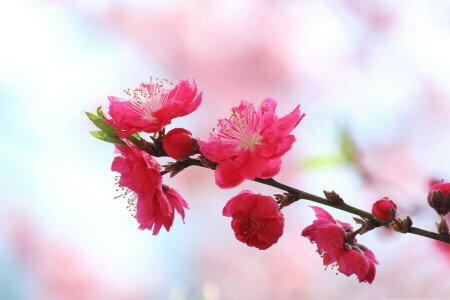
(444, 248)
(256, 219)
(336, 243)
(153, 202)
(178, 143)
(439, 198)
(381, 208)
(152, 106)
(250, 143)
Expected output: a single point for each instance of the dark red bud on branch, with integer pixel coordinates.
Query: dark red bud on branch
(439, 198)
(179, 143)
(384, 209)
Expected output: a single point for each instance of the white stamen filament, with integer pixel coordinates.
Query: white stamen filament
(243, 128)
(146, 101)
(128, 195)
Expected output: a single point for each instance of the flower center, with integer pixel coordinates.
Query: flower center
(148, 98)
(243, 128)
(251, 226)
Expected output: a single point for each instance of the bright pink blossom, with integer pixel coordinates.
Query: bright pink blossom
(250, 143)
(153, 201)
(256, 219)
(335, 241)
(178, 143)
(152, 106)
(381, 208)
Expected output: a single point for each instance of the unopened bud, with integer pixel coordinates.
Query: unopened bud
(439, 198)
(179, 143)
(384, 209)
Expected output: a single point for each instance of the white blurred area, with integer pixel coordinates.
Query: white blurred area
(379, 69)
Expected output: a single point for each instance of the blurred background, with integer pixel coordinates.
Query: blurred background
(373, 78)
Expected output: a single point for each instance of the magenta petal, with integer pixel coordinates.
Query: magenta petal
(120, 165)
(194, 105)
(273, 168)
(253, 165)
(226, 177)
(322, 214)
(266, 209)
(370, 276)
(286, 124)
(328, 259)
(176, 201)
(216, 151)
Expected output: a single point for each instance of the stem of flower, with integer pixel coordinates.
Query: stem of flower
(350, 237)
(341, 206)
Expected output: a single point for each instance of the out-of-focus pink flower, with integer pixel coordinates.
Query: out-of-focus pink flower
(250, 143)
(256, 219)
(153, 202)
(439, 198)
(381, 208)
(335, 240)
(445, 248)
(433, 181)
(152, 106)
(57, 269)
(177, 143)
(185, 43)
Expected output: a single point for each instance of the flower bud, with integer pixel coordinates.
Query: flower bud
(439, 198)
(178, 143)
(381, 209)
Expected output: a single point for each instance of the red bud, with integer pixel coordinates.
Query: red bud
(177, 143)
(381, 208)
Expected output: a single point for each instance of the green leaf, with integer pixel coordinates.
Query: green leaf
(347, 146)
(107, 137)
(100, 112)
(101, 124)
(323, 161)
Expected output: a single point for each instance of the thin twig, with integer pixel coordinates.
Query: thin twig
(340, 206)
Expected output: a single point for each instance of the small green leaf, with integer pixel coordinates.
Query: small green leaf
(101, 124)
(100, 112)
(107, 137)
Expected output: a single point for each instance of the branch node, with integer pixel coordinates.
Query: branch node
(442, 226)
(400, 225)
(207, 163)
(368, 226)
(286, 199)
(333, 197)
(175, 167)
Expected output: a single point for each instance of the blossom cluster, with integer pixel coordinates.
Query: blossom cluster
(248, 145)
